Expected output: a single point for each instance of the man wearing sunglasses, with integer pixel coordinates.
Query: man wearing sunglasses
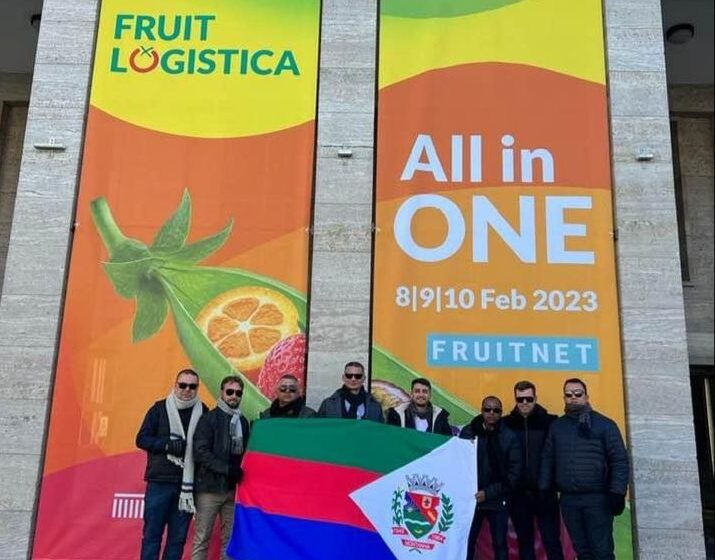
(219, 444)
(290, 402)
(531, 422)
(166, 435)
(584, 455)
(420, 414)
(498, 470)
(352, 401)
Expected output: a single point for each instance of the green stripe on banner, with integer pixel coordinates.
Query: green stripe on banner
(357, 443)
(440, 8)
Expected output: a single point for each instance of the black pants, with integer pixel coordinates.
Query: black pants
(498, 526)
(589, 521)
(524, 509)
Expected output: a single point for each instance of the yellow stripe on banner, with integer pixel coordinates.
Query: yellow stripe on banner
(565, 36)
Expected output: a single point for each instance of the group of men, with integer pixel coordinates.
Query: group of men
(533, 467)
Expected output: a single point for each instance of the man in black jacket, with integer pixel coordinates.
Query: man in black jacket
(289, 403)
(166, 435)
(498, 470)
(420, 414)
(584, 455)
(531, 422)
(219, 444)
(352, 400)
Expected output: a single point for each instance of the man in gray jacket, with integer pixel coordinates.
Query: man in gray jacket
(352, 400)
(585, 456)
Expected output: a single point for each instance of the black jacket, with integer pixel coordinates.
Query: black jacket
(531, 432)
(152, 437)
(438, 423)
(305, 412)
(332, 407)
(498, 476)
(580, 461)
(212, 452)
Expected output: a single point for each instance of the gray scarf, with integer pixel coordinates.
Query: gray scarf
(582, 414)
(173, 405)
(235, 429)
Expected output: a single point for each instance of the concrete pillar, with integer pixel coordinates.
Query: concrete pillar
(668, 518)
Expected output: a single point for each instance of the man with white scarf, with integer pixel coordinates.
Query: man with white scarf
(166, 435)
(219, 444)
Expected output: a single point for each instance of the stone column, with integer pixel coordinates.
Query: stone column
(30, 308)
(339, 327)
(665, 486)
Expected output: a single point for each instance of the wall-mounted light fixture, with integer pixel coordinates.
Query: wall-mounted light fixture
(35, 21)
(680, 33)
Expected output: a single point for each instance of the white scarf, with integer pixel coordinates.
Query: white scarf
(176, 428)
(235, 429)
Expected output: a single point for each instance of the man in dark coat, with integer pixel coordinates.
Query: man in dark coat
(219, 444)
(420, 414)
(531, 422)
(498, 470)
(352, 400)
(166, 435)
(289, 403)
(584, 455)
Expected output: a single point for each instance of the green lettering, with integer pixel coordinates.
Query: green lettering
(206, 59)
(287, 62)
(171, 62)
(227, 63)
(204, 22)
(114, 65)
(145, 24)
(122, 25)
(254, 62)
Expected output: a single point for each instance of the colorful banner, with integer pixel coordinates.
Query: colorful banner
(494, 257)
(191, 242)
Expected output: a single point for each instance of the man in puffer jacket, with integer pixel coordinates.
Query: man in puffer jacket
(531, 422)
(498, 470)
(584, 455)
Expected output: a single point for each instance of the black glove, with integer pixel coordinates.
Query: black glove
(617, 503)
(235, 472)
(176, 447)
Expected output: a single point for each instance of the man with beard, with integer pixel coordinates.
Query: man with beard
(531, 422)
(352, 400)
(289, 402)
(420, 414)
(166, 434)
(219, 444)
(498, 470)
(585, 456)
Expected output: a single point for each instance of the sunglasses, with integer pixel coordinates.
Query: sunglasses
(574, 394)
(525, 399)
(232, 392)
(495, 409)
(191, 386)
(287, 389)
(353, 375)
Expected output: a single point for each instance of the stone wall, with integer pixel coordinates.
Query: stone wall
(665, 486)
(30, 308)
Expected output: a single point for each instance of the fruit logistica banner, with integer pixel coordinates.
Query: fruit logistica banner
(494, 257)
(191, 242)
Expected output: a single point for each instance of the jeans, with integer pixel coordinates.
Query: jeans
(589, 521)
(161, 509)
(524, 509)
(208, 506)
(498, 527)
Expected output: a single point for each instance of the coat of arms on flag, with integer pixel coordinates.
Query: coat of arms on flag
(421, 511)
(320, 489)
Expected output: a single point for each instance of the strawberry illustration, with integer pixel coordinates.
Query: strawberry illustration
(287, 356)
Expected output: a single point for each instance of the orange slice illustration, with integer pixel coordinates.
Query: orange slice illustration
(245, 323)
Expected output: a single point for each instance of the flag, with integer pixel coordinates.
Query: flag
(321, 489)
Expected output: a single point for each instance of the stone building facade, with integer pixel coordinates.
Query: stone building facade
(666, 313)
